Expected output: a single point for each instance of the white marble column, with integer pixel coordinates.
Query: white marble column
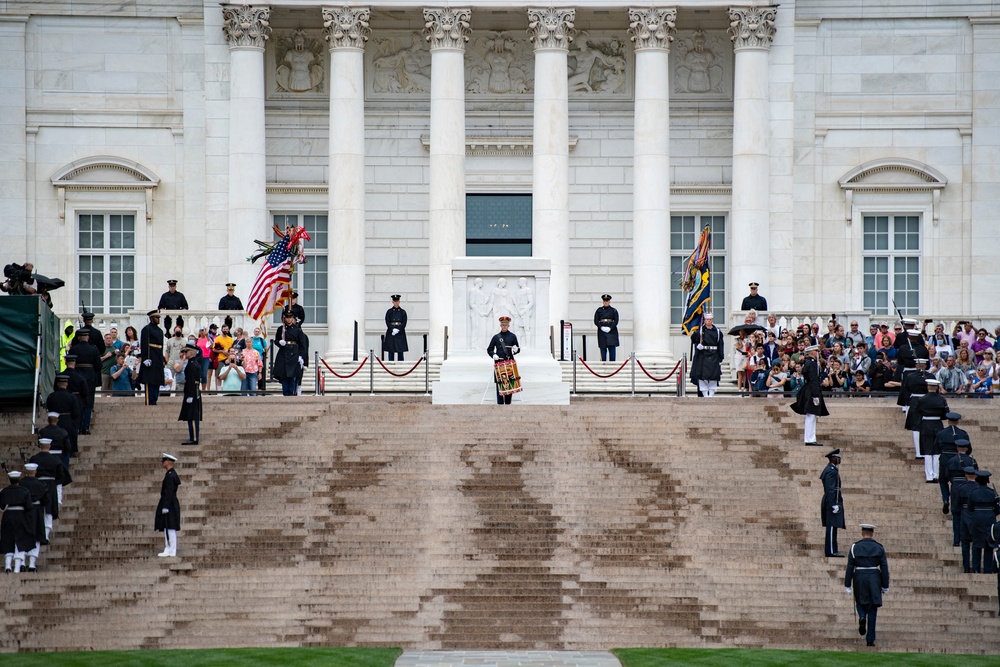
(752, 31)
(447, 30)
(651, 30)
(551, 30)
(346, 29)
(247, 27)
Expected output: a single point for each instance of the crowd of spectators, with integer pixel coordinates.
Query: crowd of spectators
(853, 361)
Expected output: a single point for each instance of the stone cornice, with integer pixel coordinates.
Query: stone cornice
(653, 27)
(498, 146)
(346, 27)
(752, 27)
(447, 28)
(246, 26)
(551, 27)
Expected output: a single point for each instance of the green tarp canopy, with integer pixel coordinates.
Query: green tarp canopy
(22, 320)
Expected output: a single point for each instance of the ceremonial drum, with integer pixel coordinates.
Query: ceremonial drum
(507, 379)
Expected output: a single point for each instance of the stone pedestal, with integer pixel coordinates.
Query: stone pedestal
(486, 288)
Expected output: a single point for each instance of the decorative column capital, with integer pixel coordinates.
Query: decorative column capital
(246, 26)
(653, 27)
(447, 27)
(752, 27)
(346, 27)
(551, 28)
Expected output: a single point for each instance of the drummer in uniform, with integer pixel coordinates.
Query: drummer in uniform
(606, 320)
(503, 346)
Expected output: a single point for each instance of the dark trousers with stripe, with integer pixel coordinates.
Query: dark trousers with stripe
(830, 544)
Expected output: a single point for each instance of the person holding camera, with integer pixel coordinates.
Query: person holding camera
(231, 374)
(777, 378)
(836, 379)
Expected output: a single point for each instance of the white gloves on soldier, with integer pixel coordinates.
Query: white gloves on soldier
(699, 346)
(147, 363)
(496, 358)
(301, 363)
(515, 349)
(189, 399)
(395, 331)
(816, 401)
(606, 329)
(847, 589)
(884, 591)
(282, 343)
(836, 509)
(165, 511)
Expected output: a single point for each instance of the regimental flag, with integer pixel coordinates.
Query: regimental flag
(698, 284)
(270, 289)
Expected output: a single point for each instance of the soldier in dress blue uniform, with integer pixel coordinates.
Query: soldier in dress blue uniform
(17, 535)
(39, 491)
(96, 337)
(606, 320)
(292, 346)
(754, 301)
(867, 576)
(832, 505)
(960, 490)
(983, 510)
(230, 301)
(172, 300)
(168, 510)
(912, 387)
(191, 406)
(88, 365)
(930, 409)
(151, 356)
(395, 330)
(503, 346)
(945, 443)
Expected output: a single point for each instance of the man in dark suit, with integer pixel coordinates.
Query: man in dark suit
(503, 346)
(151, 357)
(867, 576)
(832, 505)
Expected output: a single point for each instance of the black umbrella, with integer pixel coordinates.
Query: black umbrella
(46, 282)
(749, 328)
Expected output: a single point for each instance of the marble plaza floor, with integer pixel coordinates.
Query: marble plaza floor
(507, 659)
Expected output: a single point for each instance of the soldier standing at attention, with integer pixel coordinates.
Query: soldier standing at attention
(230, 301)
(832, 505)
(96, 337)
(503, 346)
(395, 330)
(606, 320)
(168, 510)
(809, 401)
(754, 301)
(151, 356)
(172, 300)
(868, 576)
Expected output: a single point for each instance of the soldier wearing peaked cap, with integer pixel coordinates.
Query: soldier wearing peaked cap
(995, 539)
(168, 510)
(867, 576)
(606, 320)
(96, 337)
(17, 535)
(293, 348)
(151, 356)
(929, 410)
(88, 363)
(503, 346)
(191, 405)
(983, 509)
(960, 509)
(230, 301)
(172, 300)
(809, 399)
(394, 341)
(912, 387)
(67, 406)
(754, 301)
(944, 442)
(832, 505)
(39, 491)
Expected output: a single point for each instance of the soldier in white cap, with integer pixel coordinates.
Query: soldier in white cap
(809, 400)
(51, 471)
(16, 533)
(867, 577)
(168, 510)
(39, 491)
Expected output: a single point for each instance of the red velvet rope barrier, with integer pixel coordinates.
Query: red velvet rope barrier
(612, 374)
(344, 377)
(399, 375)
(656, 379)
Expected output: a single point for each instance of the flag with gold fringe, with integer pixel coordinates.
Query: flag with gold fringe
(697, 283)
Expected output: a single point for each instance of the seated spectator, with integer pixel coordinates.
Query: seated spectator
(836, 379)
(872, 334)
(854, 335)
(935, 366)
(982, 384)
(839, 353)
(787, 342)
(880, 373)
(888, 349)
(814, 334)
(751, 317)
(953, 380)
(777, 378)
(980, 345)
(772, 326)
(941, 341)
(996, 339)
(990, 363)
(963, 360)
(860, 384)
(799, 355)
(883, 333)
(795, 380)
(836, 336)
(231, 375)
(121, 376)
(860, 361)
(771, 348)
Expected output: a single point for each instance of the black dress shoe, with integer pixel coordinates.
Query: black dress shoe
(944, 508)
(814, 444)
(190, 442)
(32, 569)
(871, 643)
(836, 555)
(862, 626)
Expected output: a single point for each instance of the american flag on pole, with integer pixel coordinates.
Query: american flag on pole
(268, 292)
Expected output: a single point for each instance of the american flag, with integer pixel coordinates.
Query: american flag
(269, 290)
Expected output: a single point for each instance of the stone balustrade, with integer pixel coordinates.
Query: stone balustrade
(193, 319)
(794, 319)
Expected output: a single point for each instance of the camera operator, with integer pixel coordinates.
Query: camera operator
(231, 374)
(19, 280)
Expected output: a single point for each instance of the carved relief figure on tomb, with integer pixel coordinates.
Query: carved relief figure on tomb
(497, 64)
(500, 304)
(401, 69)
(478, 315)
(524, 306)
(390, 73)
(599, 66)
(699, 68)
(299, 63)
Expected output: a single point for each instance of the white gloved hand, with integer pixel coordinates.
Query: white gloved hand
(515, 349)
(165, 511)
(301, 363)
(282, 343)
(836, 509)
(606, 329)
(189, 399)
(847, 589)
(496, 358)
(699, 346)
(884, 591)
(395, 331)
(147, 363)
(816, 401)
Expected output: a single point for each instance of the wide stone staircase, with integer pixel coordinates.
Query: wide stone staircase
(391, 521)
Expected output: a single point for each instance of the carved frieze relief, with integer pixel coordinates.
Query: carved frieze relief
(297, 63)
(701, 66)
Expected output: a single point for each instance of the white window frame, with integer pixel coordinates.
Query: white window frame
(135, 252)
(891, 208)
(719, 293)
